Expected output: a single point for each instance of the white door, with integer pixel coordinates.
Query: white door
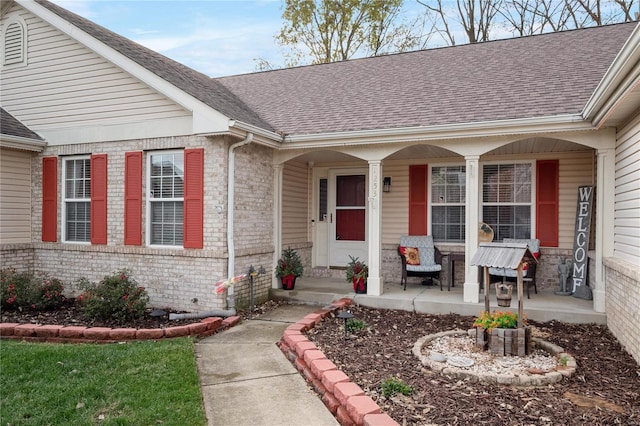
(347, 215)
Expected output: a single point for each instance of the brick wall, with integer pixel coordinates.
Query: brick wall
(176, 278)
(623, 302)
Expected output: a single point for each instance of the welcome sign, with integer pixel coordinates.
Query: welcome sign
(581, 243)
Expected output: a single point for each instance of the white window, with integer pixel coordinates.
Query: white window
(165, 207)
(506, 199)
(77, 199)
(14, 49)
(448, 191)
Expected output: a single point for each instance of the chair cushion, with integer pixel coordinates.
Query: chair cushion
(424, 268)
(424, 244)
(411, 254)
(504, 272)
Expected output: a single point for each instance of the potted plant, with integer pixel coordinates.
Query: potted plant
(498, 332)
(357, 273)
(288, 268)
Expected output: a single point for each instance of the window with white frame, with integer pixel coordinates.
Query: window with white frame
(448, 191)
(506, 199)
(77, 199)
(166, 198)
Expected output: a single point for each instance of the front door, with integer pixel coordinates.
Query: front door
(347, 216)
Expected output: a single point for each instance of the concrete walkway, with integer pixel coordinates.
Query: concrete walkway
(247, 380)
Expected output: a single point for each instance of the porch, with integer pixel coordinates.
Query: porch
(544, 306)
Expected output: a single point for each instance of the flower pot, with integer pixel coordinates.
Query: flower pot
(360, 285)
(510, 341)
(288, 282)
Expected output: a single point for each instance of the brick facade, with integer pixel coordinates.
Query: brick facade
(623, 302)
(175, 278)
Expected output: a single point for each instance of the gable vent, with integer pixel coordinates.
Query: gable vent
(14, 44)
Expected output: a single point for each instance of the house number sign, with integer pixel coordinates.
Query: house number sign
(581, 243)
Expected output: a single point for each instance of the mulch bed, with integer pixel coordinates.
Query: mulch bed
(604, 391)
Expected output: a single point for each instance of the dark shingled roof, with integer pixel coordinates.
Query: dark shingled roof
(196, 84)
(10, 126)
(537, 76)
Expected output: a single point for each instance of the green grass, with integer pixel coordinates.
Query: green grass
(136, 383)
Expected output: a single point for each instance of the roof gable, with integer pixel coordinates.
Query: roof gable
(199, 86)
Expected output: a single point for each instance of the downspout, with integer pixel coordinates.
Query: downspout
(231, 303)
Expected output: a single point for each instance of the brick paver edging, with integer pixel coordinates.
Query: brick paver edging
(345, 399)
(77, 334)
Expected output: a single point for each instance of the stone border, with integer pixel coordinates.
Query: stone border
(345, 399)
(526, 379)
(77, 334)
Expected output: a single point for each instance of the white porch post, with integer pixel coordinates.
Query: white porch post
(277, 218)
(471, 285)
(374, 282)
(605, 199)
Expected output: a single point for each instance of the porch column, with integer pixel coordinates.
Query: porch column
(605, 199)
(471, 285)
(277, 219)
(374, 282)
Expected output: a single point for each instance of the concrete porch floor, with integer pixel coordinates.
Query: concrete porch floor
(544, 306)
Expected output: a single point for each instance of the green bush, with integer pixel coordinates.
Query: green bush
(117, 297)
(24, 290)
(354, 325)
(393, 386)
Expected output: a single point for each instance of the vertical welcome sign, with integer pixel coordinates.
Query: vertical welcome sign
(581, 243)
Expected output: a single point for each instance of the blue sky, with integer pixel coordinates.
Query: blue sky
(215, 37)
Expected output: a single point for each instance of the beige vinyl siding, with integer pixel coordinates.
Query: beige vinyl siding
(627, 194)
(15, 196)
(65, 84)
(395, 204)
(576, 169)
(295, 207)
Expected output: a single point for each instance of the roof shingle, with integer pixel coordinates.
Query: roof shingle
(544, 75)
(10, 126)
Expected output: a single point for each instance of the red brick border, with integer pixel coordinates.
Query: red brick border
(345, 399)
(77, 334)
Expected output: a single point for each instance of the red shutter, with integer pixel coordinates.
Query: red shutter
(133, 198)
(418, 199)
(50, 199)
(193, 197)
(99, 199)
(547, 202)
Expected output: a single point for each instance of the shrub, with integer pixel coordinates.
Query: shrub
(497, 319)
(354, 325)
(393, 386)
(25, 290)
(117, 297)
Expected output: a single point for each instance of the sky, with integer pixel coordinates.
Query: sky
(215, 37)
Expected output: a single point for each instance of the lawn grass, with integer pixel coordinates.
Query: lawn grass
(134, 383)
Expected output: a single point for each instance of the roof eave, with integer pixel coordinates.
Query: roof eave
(558, 123)
(621, 77)
(22, 143)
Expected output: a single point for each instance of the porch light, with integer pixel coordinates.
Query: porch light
(386, 184)
(346, 316)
